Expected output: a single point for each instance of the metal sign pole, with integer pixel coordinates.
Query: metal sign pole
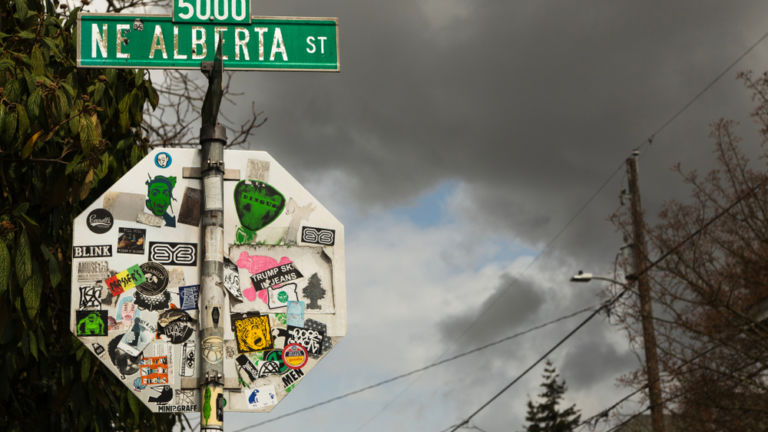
(213, 138)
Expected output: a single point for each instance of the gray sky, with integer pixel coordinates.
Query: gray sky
(459, 139)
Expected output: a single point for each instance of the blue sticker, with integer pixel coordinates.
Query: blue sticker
(295, 313)
(163, 160)
(188, 295)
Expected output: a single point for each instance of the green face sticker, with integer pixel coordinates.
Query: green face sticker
(159, 197)
(257, 203)
(282, 296)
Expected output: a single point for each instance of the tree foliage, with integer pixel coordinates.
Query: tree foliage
(66, 134)
(710, 295)
(546, 416)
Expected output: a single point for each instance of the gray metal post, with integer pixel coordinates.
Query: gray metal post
(213, 138)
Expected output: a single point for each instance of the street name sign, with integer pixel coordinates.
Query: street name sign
(135, 288)
(160, 42)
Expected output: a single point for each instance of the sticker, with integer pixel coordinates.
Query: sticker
(247, 366)
(160, 197)
(154, 371)
(257, 204)
(253, 333)
(298, 214)
(189, 213)
(124, 362)
(92, 251)
(165, 394)
(213, 190)
(186, 401)
(149, 219)
(176, 325)
(99, 220)
(126, 311)
(187, 359)
(214, 244)
(321, 236)
(125, 280)
(321, 328)
(280, 296)
(261, 397)
(189, 295)
(275, 276)
(131, 241)
(92, 271)
(295, 356)
(124, 206)
(181, 254)
(257, 169)
(311, 339)
(295, 313)
(91, 322)
(90, 296)
(156, 279)
(272, 364)
(139, 336)
(314, 291)
(163, 160)
(97, 348)
(232, 279)
(291, 377)
(212, 349)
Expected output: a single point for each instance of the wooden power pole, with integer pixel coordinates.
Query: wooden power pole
(639, 262)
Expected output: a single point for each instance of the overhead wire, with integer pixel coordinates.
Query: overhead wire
(421, 369)
(607, 304)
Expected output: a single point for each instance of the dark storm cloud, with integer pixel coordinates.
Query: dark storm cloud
(592, 360)
(513, 302)
(530, 104)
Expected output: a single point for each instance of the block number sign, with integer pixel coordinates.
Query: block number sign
(136, 277)
(220, 11)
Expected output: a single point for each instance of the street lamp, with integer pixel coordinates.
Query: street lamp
(587, 277)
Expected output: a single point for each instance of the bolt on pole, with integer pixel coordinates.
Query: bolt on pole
(213, 138)
(640, 255)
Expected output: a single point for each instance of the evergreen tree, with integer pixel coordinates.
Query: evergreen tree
(545, 416)
(66, 134)
(314, 291)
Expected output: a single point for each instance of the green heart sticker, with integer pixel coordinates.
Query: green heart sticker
(257, 203)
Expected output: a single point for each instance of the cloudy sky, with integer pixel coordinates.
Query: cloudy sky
(474, 151)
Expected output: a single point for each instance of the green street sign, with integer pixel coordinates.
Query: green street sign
(157, 42)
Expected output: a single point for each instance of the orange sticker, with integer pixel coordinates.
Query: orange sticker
(295, 356)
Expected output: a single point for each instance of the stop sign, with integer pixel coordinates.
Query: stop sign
(136, 281)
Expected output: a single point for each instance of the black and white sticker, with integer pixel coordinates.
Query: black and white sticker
(167, 253)
(100, 220)
(321, 236)
(98, 251)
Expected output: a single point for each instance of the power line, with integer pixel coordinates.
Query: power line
(608, 304)
(421, 369)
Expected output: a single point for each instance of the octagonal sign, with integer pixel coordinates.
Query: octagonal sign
(136, 278)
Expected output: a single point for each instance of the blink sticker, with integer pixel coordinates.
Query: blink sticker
(189, 295)
(182, 254)
(275, 276)
(99, 220)
(99, 251)
(163, 160)
(125, 280)
(261, 397)
(280, 296)
(91, 322)
(176, 325)
(321, 236)
(252, 333)
(131, 241)
(310, 339)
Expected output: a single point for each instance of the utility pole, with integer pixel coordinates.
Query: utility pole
(639, 262)
(213, 138)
